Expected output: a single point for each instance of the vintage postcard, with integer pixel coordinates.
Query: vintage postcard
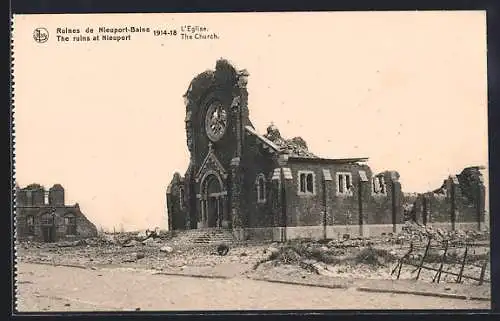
(251, 161)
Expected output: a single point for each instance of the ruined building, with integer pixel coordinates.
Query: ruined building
(267, 186)
(43, 216)
(458, 204)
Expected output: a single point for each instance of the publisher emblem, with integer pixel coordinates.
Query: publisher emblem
(41, 35)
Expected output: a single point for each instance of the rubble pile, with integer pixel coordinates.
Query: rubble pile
(344, 257)
(413, 231)
(352, 242)
(296, 146)
(310, 255)
(375, 257)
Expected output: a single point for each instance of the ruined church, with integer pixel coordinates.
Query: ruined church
(265, 186)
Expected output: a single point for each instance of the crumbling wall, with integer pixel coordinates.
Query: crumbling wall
(56, 195)
(459, 202)
(31, 195)
(384, 204)
(84, 227)
(41, 221)
(295, 146)
(408, 203)
(175, 205)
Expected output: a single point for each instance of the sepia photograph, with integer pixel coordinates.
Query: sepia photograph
(251, 161)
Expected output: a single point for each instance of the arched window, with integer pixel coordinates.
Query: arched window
(344, 184)
(261, 188)
(306, 183)
(30, 225)
(378, 185)
(70, 223)
(382, 184)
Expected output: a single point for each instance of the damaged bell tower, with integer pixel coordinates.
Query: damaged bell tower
(216, 113)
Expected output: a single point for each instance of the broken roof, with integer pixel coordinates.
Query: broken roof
(328, 160)
(295, 148)
(266, 141)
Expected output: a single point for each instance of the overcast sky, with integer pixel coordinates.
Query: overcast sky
(106, 119)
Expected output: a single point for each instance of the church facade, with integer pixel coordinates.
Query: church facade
(264, 186)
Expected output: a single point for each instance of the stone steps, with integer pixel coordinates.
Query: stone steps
(208, 236)
(215, 237)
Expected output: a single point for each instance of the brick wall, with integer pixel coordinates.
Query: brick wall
(358, 208)
(177, 213)
(459, 200)
(56, 195)
(84, 228)
(35, 208)
(256, 161)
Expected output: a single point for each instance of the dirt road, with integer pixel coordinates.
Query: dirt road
(51, 288)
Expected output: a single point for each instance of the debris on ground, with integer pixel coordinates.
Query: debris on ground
(375, 257)
(413, 231)
(222, 249)
(166, 249)
(131, 243)
(351, 256)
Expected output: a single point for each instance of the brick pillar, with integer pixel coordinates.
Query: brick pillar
(190, 201)
(453, 204)
(361, 198)
(169, 213)
(235, 202)
(480, 205)
(224, 212)
(397, 217)
(426, 213)
(277, 209)
(187, 210)
(327, 199)
(276, 196)
(364, 190)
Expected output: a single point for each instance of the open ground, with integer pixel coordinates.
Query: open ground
(167, 272)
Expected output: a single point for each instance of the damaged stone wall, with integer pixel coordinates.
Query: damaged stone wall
(385, 201)
(375, 205)
(458, 204)
(42, 215)
(227, 86)
(176, 208)
(357, 213)
(256, 161)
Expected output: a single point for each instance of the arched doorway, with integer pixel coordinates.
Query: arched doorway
(48, 226)
(213, 202)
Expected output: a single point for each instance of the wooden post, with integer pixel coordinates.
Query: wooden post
(459, 278)
(438, 274)
(483, 270)
(423, 258)
(400, 263)
(399, 270)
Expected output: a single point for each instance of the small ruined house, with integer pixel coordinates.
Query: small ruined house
(42, 215)
(265, 186)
